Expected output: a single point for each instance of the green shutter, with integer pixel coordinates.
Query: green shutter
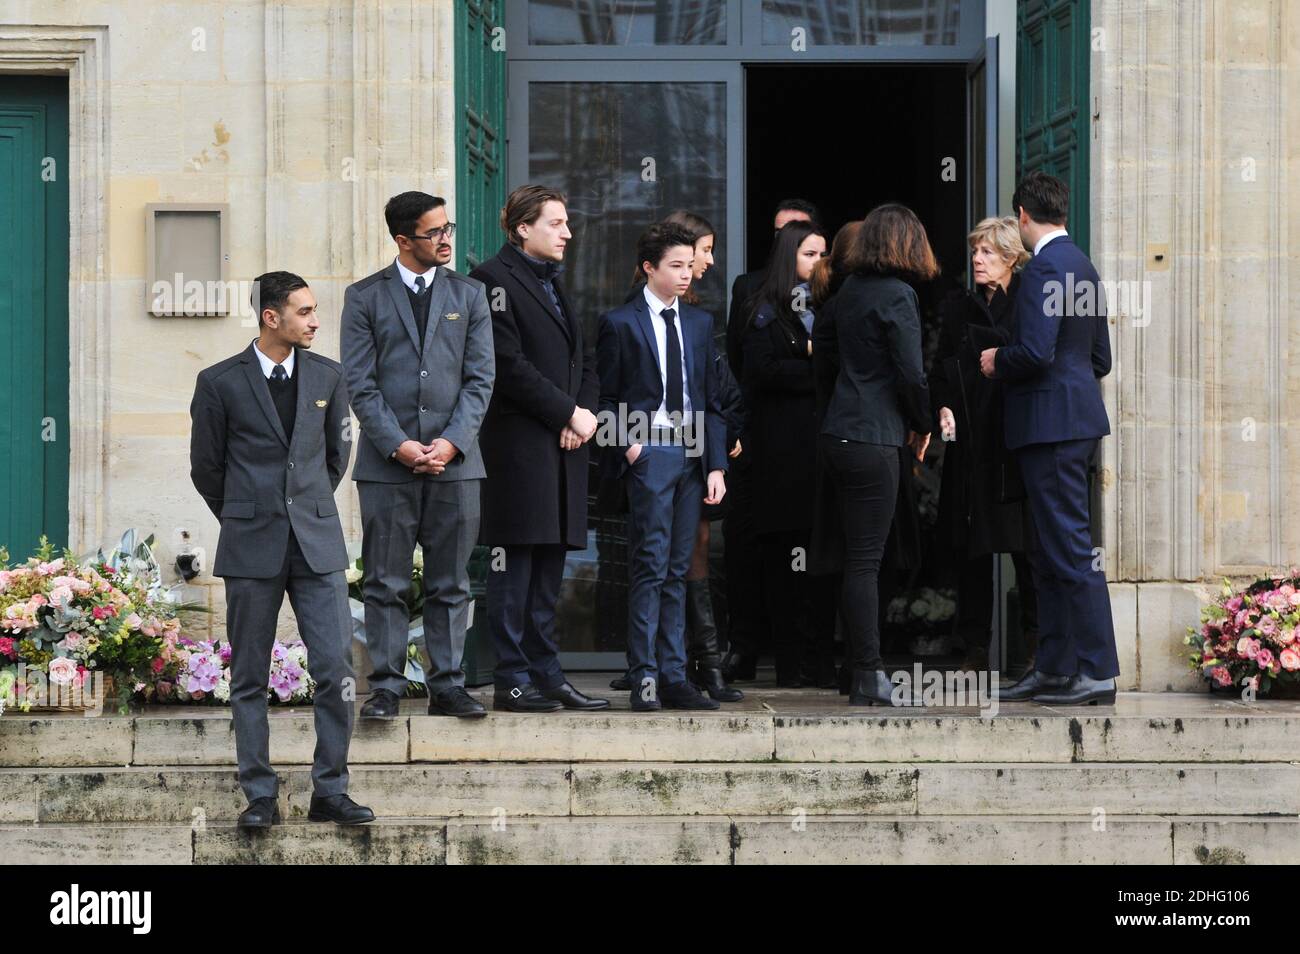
(480, 130)
(33, 312)
(1052, 128)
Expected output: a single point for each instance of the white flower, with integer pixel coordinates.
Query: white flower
(352, 574)
(418, 558)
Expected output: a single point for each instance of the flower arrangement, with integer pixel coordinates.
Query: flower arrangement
(190, 671)
(1250, 637)
(66, 625)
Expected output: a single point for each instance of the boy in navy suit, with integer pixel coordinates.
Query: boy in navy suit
(1054, 419)
(664, 435)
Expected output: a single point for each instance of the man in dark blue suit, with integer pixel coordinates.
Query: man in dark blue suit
(663, 434)
(1054, 419)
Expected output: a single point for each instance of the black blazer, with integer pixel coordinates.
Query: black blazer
(628, 364)
(535, 492)
(742, 290)
(880, 392)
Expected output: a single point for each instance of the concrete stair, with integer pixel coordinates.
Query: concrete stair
(786, 776)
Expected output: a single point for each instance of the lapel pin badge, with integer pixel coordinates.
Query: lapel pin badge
(452, 315)
(321, 403)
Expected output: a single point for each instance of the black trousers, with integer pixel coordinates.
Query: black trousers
(799, 606)
(746, 625)
(521, 601)
(975, 599)
(866, 483)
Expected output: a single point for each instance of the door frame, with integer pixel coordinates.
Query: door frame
(80, 52)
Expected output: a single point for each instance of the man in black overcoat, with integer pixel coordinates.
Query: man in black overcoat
(534, 441)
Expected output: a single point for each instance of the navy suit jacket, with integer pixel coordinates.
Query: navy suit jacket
(1061, 349)
(627, 359)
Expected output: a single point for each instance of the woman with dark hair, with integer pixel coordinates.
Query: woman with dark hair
(982, 505)
(780, 430)
(703, 642)
(880, 402)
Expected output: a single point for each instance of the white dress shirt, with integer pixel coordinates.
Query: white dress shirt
(1038, 246)
(661, 342)
(409, 277)
(268, 365)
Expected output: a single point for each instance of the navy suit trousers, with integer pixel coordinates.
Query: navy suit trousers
(1076, 632)
(665, 494)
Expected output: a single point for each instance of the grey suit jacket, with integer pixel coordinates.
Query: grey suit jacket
(258, 480)
(406, 389)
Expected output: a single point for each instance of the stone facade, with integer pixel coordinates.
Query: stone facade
(1196, 106)
(303, 116)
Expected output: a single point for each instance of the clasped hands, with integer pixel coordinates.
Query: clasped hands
(427, 458)
(580, 429)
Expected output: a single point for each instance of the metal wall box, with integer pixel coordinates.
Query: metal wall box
(187, 249)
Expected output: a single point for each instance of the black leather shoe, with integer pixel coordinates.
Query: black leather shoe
(683, 695)
(871, 687)
(640, 703)
(456, 702)
(739, 667)
(1031, 685)
(1079, 691)
(525, 698)
(260, 813)
(382, 704)
(340, 809)
(711, 681)
(571, 698)
(621, 683)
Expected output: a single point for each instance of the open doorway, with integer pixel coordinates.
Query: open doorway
(847, 138)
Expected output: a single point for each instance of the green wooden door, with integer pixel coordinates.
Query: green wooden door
(33, 312)
(1052, 127)
(480, 129)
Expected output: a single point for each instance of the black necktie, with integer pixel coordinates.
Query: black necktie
(673, 399)
(279, 375)
(419, 284)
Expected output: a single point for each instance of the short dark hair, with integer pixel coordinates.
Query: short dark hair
(892, 241)
(524, 207)
(272, 290)
(403, 210)
(655, 242)
(1044, 197)
(798, 205)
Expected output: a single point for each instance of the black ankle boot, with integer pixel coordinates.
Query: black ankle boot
(711, 681)
(871, 687)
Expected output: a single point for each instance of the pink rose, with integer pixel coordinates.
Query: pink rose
(1247, 647)
(158, 664)
(1290, 660)
(1264, 658)
(62, 671)
(1221, 676)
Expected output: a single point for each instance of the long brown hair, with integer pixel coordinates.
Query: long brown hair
(830, 272)
(892, 241)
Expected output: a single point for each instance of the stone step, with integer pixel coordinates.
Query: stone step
(883, 839)
(1145, 729)
(511, 790)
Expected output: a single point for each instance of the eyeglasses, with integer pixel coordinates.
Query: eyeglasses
(448, 230)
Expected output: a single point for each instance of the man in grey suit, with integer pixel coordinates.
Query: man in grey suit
(417, 354)
(268, 445)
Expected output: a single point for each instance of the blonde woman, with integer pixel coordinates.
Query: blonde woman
(982, 510)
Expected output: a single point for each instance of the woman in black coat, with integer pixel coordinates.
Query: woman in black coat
(880, 402)
(781, 436)
(982, 506)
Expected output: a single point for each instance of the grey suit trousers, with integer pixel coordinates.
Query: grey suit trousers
(443, 518)
(320, 603)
